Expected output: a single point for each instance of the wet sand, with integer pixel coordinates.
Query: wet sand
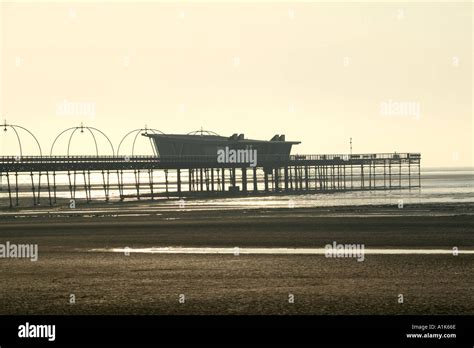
(114, 283)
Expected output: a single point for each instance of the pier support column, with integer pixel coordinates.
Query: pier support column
(325, 177)
(178, 181)
(255, 183)
(49, 189)
(390, 173)
(105, 185)
(137, 182)
(206, 178)
(166, 183)
(315, 178)
(33, 188)
(89, 184)
(409, 173)
(54, 187)
(320, 177)
(212, 179)
(374, 172)
(333, 177)
(86, 189)
(16, 189)
(119, 185)
(189, 180)
(265, 175)
(370, 175)
(223, 179)
(400, 173)
(300, 174)
(296, 178)
(344, 175)
(352, 178)
(150, 181)
(306, 174)
(232, 177)
(9, 190)
(277, 179)
(244, 179)
(39, 188)
(201, 183)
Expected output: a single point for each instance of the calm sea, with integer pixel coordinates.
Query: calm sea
(439, 185)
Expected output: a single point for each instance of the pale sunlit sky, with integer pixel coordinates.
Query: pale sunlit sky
(394, 77)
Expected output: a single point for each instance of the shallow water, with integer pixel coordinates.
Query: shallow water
(439, 185)
(276, 251)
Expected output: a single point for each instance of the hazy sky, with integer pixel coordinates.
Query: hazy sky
(394, 77)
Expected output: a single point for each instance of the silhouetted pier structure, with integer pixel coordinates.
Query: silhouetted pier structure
(177, 177)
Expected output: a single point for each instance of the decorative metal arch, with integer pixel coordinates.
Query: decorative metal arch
(202, 132)
(82, 128)
(146, 129)
(14, 127)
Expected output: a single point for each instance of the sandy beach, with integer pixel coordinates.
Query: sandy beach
(105, 282)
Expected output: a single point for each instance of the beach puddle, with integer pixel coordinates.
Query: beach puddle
(275, 251)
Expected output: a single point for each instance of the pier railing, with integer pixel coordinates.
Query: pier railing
(261, 159)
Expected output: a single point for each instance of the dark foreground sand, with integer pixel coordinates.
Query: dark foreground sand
(113, 283)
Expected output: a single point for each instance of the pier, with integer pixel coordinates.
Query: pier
(181, 177)
(39, 180)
